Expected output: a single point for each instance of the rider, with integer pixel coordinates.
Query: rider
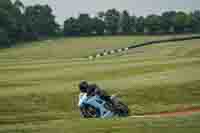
(93, 89)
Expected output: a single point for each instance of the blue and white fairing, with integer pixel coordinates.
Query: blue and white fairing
(97, 103)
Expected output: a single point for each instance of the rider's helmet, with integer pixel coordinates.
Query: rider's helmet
(83, 85)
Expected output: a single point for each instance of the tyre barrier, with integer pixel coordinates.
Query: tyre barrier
(141, 45)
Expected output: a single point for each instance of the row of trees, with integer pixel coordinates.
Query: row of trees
(19, 23)
(25, 23)
(114, 22)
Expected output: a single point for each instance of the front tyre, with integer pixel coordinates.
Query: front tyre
(89, 111)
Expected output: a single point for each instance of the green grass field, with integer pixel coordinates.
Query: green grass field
(38, 84)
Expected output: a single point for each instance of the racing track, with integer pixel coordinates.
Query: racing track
(185, 112)
(162, 114)
(142, 45)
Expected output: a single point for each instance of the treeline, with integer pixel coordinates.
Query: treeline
(113, 22)
(20, 23)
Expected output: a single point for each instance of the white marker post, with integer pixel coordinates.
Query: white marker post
(91, 57)
(126, 49)
(105, 53)
(112, 51)
(98, 55)
(119, 50)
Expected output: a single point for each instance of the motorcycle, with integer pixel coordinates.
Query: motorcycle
(96, 107)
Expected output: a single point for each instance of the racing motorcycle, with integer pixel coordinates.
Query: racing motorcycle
(96, 107)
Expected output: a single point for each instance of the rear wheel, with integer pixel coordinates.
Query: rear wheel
(122, 110)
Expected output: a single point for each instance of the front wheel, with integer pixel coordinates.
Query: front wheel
(89, 111)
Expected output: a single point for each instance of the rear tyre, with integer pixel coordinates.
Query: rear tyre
(122, 110)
